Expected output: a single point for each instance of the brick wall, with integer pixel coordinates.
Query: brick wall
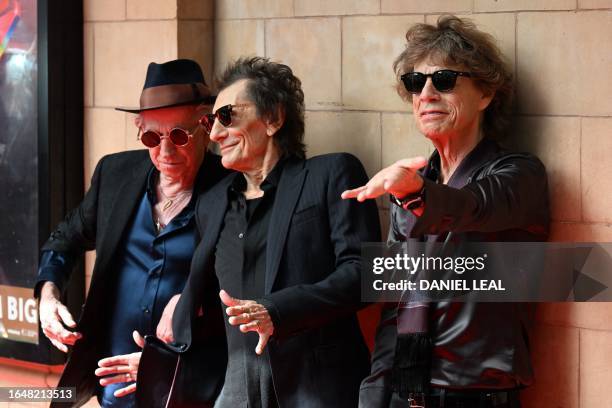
(562, 56)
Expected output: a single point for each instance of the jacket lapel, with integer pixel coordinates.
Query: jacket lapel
(483, 152)
(287, 195)
(210, 213)
(127, 199)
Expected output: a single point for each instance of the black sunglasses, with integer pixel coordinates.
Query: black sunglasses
(443, 80)
(224, 114)
(178, 136)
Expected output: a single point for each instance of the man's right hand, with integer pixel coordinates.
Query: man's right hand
(52, 314)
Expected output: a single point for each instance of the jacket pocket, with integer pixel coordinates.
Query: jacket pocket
(305, 215)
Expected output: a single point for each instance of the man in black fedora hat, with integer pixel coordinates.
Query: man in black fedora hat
(138, 215)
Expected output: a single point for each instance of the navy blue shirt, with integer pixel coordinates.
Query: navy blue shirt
(150, 269)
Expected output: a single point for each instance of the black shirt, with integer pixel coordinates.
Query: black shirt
(240, 265)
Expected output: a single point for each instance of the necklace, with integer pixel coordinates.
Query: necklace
(167, 208)
(169, 201)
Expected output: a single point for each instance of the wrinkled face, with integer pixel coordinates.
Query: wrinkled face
(246, 141)
(171, 160)
(445, 115)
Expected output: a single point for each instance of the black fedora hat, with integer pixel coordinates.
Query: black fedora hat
(173, 83)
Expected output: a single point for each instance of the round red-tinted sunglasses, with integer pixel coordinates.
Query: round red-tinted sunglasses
(178, 136)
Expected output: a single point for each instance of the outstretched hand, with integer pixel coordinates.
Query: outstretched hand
(399, 179)
(121, 369)
(250, 316)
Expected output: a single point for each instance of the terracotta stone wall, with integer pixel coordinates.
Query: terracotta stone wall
(561, 56)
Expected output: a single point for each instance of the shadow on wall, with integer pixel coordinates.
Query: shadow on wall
(554, 349)
(555, 357)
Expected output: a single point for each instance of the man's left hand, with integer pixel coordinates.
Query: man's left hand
(164, 327)
(250, 316)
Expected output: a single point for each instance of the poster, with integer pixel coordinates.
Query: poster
(18, 170)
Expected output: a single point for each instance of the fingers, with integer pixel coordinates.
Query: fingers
(52, 314)
(164, 327)
(352, 193)
(240, 319)
(51, 311)
(122, 392)
(116, 371)
(392, 179)
(261, 344)
(138, 339)
(115, 361)
(245, 306)
(254, 325)
(250, 316)
(167, 337)
(227, 299)
(65, 315)
(164, 332)
(53, 329)
(56, 331)
(372, 190)
(247, 317)
(119, 378)
(58, 345)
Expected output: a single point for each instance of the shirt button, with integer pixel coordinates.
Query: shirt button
(241, 235)
(146, 310)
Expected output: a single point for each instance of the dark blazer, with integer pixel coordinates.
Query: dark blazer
(99, 222)
(313, 279)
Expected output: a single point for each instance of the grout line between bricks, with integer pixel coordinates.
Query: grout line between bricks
(342, 61)
(579, 363)
(265, 39)
(458, 12)
(580, 178)
(93, 64)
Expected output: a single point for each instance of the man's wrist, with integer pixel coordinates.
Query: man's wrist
(411, 201)
(49, 290)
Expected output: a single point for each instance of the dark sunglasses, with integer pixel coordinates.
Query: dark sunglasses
(223, 114)
(443, 80)
(179, 137)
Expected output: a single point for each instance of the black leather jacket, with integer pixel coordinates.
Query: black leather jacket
(494, 195)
